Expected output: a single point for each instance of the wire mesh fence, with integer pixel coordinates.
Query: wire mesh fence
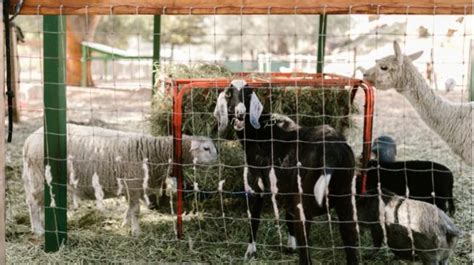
(126, 201)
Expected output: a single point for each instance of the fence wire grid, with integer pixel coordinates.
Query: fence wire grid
(121, 189)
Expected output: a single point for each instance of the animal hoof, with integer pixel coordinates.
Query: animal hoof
(291, 244)
(38, 231)
(251, 251)
(136, 233)
(372, 254)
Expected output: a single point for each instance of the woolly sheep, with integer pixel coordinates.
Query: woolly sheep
(409, 225)
(104, 163)
(451, 121)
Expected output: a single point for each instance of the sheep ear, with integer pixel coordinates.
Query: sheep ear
(415, 55)
(194, 145)
(398, 52)
(256, 109)
(220, 112)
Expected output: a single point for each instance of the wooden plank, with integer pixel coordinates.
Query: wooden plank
(15, 75)
(209, 7)
(2, 145)
(471, 73)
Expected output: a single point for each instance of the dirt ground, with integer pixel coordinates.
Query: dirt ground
(97, 237)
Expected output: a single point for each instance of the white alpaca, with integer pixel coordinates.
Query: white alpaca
(452, 121)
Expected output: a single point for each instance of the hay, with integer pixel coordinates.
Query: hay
(311, 106)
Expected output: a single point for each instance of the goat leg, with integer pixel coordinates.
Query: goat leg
(377, 239)
(291, 245)
(347, 227)
(301, 230)
(256, 204)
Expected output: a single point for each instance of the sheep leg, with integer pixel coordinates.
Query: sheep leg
(36, 210)
(255, 211)
(347, 227)
(131, 216)
(153, 205)
(164, 203)
(135, 223)
(34, 197)
(444, 262)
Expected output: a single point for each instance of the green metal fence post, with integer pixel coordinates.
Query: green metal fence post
(84, 58)
(55, 152)
(321, 42)
(156, 50)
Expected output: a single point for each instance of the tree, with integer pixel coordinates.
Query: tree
(78, 29)
(182, 30)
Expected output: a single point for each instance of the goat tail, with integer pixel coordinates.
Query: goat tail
(322, 184)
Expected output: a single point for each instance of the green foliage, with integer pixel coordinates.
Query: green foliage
(181, 30)
(115, 31)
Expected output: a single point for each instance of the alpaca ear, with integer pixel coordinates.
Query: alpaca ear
(220, 112)
(362, 69)
(256, 109)
(398, 52)
(415, 55)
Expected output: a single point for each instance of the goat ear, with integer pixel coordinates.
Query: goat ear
(398, 52)
(220, 112)
(256, 109)
(415, 55)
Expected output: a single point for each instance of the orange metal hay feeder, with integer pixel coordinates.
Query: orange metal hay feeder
(182, 86)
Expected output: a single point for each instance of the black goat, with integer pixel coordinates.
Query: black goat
(426, 181)
(384, 149)
(295, 164)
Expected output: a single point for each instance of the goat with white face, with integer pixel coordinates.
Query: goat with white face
(451, 121)
(308, 169)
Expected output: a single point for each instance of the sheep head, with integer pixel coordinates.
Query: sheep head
(389, 72)
(203, 150)
(239, 103)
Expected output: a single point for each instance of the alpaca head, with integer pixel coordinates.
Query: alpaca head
(389, 72)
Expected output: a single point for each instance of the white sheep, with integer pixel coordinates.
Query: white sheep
(105, 163)
(452, 121)
(409, 227)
